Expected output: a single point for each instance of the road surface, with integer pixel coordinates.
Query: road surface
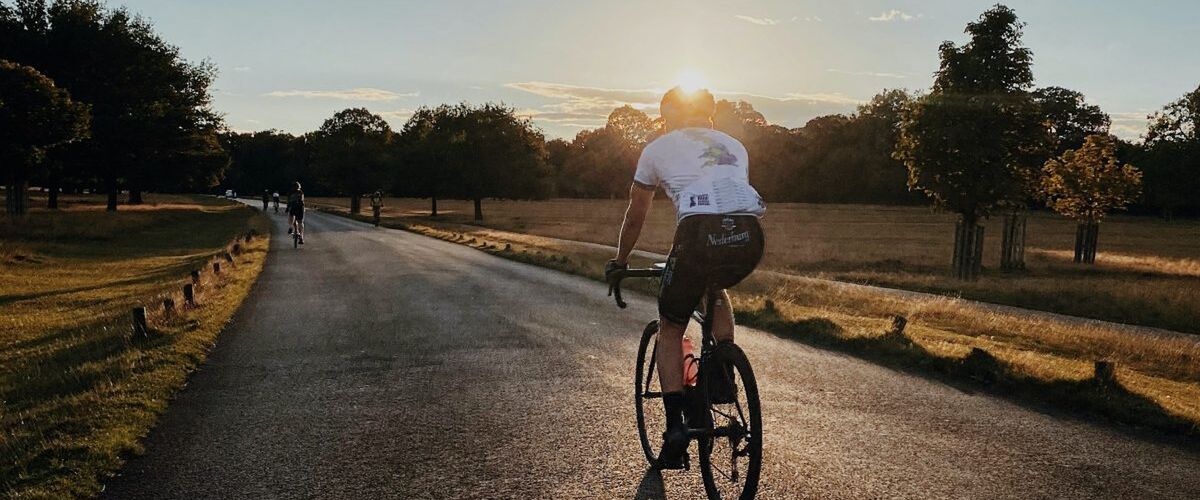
(374, 363)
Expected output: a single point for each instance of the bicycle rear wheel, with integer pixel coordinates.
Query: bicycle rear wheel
(731, 460)
(647, 395)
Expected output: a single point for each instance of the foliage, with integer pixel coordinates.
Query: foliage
(35, 115)
(351, 152)
(1086, 183)
(1069, 117)
(153, 126)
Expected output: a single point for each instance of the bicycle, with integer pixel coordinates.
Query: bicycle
(727, 425)
(296, 233)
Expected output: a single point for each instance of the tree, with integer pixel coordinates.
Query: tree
(266, 160)
(499, 153)
(972, 143)
(351, 153)
(422, 145)
(1172, 156)
(1069, 117)
(1087, 183)
(149, 106)
(35, 116)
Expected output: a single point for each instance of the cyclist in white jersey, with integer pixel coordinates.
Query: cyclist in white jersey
(718, 239)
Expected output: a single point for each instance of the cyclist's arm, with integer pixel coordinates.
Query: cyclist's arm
(640, 198)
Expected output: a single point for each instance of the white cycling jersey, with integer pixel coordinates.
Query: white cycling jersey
(704, 171)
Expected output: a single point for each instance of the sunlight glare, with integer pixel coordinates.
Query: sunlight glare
(691, 80)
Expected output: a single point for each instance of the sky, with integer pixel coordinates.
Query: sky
(289, 65)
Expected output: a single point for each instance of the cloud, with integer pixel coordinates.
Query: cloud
(588, 107)
(241, 69)
(357, 94)
(894, 15)
(1129, 125)
(397, 116)
(868, 73)
(767, 21)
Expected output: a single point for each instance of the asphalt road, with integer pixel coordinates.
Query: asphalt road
(374, 363)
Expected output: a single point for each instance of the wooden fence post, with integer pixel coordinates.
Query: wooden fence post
(189, 295)
(169, 307)
(139, 321)
(196, 276)
(216, 268)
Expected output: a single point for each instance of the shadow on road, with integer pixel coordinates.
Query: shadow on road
(651, 486)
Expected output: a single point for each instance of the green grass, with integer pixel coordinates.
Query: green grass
(79, 389)
(1029, 359)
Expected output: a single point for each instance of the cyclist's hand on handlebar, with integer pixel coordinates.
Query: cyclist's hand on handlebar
(611, 268)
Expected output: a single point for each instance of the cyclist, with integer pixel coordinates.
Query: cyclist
(718, 240)
(266, 198)
(275, 199)
(295, 210)
(377, 205)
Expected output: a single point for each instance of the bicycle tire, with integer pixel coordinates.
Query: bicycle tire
(646, 373)
(728, 354)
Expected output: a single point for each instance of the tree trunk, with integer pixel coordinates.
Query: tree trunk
(433, 206)
(113, 191)
(478, 210)
(968, 249)
(52, 198)
(355, 203)
(16, 197)
(135, 196)
(1012, 246)
(1087, 235)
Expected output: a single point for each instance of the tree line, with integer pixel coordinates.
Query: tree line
(93, 98)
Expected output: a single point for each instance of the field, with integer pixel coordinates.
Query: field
(78, 386)
(1029, 357)
(1147, 270)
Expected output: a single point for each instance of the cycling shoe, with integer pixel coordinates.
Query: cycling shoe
(674, 449)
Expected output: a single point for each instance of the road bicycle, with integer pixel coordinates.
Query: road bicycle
(724, 416)
(296, 237)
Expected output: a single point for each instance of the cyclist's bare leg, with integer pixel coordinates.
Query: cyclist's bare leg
(723, 318)
(669, 354)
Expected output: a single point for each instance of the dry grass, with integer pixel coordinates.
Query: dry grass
(1146, 273)
(79, 389)
(1037, 358)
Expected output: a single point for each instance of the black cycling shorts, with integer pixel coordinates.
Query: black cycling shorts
(710, 251)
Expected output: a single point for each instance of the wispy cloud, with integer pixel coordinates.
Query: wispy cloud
(867, 73)
(397, 116)
(1129, 125)
(893, 15)
(241, 69)
(768, 21)
(588, 107)
(357, 94)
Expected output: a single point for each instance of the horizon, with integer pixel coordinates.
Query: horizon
(572, 71)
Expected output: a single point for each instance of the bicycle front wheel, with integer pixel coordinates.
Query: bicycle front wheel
(647, 395)
(731, 459)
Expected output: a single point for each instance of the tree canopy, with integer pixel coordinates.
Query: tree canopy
(1087, 183)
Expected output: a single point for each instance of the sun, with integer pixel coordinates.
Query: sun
(691, 80)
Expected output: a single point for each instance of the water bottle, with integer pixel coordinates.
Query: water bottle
(691, 365)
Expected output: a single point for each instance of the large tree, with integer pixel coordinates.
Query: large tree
(35, 116)
(499, 155)
(352, 153)
(1087, 183)
(150, 107)
(1172, 156)
(972, 144)
(1070, 119)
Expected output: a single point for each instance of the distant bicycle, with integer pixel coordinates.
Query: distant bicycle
(724, 415)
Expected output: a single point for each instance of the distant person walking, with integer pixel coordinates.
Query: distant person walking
(295, 210)
(275, 198)
(377, 205)
(266, 199)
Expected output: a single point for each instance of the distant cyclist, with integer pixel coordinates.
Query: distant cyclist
(266, 198)
(275, 199)
(295, 210)
(377, 205)
(718, 240)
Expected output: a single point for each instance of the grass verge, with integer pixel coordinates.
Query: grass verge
(79, 387)
(1032, 359)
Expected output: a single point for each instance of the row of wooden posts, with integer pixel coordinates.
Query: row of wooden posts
(140, 325)
(1104, 372)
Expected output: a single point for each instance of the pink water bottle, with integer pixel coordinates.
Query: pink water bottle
(691, 365)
